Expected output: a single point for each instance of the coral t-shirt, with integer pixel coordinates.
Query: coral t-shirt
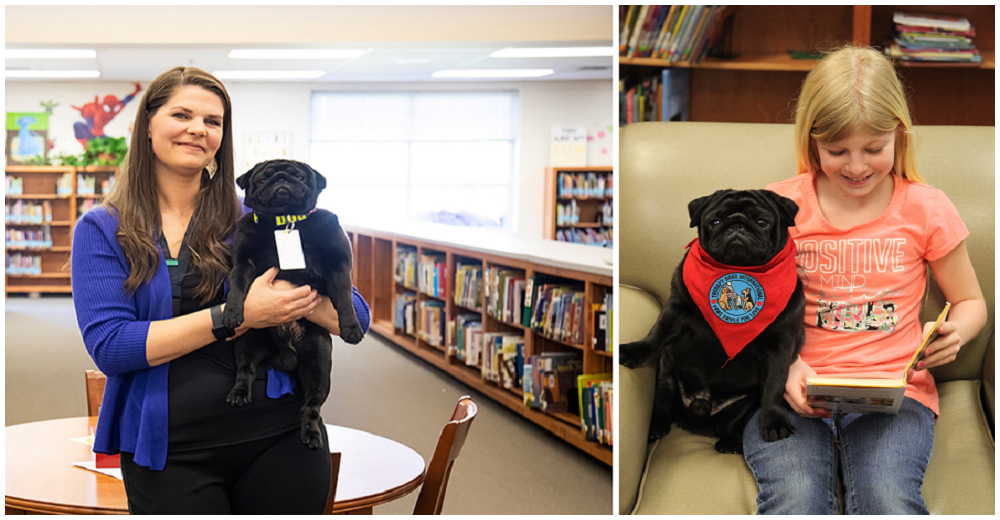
(864, 285)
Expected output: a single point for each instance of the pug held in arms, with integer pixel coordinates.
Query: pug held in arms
(733, 324)
(283, 197)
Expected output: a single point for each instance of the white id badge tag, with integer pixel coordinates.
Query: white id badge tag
(290, 255)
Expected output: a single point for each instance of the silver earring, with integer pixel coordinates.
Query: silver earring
(212, 168)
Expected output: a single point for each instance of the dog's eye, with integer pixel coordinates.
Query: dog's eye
(715, 222)
(761, 222)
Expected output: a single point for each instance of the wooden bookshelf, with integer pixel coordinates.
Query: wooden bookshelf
(375, 254)
(760, 85)
(40, 183)
(590, 207)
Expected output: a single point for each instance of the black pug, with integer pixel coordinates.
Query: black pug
(699, 384)
(283, 195)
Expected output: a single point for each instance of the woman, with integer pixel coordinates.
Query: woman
(149, 271)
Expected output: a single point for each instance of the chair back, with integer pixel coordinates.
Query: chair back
(95, 391)
(334, 474)
(450, 444)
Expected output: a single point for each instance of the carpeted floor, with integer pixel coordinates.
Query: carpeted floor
(508, 465)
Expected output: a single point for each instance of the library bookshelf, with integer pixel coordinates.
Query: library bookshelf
(61, 210)
(590, 207)
(375, 255)
(761, 83)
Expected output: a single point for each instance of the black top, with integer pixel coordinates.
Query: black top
(198, 415)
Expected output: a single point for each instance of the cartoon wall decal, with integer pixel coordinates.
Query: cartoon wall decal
(97, 114)
(27, 134)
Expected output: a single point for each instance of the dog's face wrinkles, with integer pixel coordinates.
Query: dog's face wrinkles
(281, 187)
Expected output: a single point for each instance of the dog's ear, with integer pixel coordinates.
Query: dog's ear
(697, 206)
(243, 180)
(787, 207)
(320, 179)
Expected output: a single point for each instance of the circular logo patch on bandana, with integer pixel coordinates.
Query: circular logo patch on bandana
(736, 298)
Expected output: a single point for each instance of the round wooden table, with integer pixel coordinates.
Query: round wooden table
(41, 477)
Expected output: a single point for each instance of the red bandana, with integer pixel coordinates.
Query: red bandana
(739, 302)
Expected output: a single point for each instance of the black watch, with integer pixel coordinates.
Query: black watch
(218, 329)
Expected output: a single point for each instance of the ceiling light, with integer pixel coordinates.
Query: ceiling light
(269, 74)
(553, 52)
(297, 54)
(51, 74)
(494, 73)
(49, 53)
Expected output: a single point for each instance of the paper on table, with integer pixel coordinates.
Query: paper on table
(92, 466)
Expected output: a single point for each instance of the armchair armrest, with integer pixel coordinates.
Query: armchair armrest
(636, 390)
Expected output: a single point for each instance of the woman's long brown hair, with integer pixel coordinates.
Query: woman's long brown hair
(135, 196)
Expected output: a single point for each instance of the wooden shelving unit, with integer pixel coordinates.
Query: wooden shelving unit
(590, 207)
(760, 85)
(374, 264)
(39, 183)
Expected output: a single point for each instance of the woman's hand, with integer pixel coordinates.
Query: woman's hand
(324, 314)
(795, 390)
(944, 349)
(267, 305)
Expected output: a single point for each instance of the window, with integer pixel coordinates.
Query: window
(436, 157)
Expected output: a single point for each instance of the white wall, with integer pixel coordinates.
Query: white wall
(284, 107)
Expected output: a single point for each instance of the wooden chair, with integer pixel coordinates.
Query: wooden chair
(450, 443)
(95, 391)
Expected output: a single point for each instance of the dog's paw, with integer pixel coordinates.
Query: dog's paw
(729, 446)
(352, 333)
(628, 355)
(232, 317)
(775, 427)
(656, 431)
(311, 438)
(238, 397)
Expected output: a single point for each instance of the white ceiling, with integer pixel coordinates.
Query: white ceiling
(135, 43)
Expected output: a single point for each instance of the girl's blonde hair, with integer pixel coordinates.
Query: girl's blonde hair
(852, 89)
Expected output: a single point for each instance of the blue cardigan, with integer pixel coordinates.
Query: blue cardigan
(115, 324)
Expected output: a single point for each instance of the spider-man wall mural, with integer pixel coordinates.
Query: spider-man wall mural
(99, 113)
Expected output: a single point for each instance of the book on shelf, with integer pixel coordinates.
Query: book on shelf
(595, 399)
(431, 322)
(661, 96)
(934, 38)
(404, 313)
(553, 384)
(494, 345)
(18, 264)
(432, 275)
(406, 267)
(64, 186)
(28, 212)
(857, 395)
(28, 238)
(463, 324)
(85, 205)
(13, 185)
(589, 237)
(557, 313)
(674, 33)
(504, 293)
(583, 185)
(603, 314)
(469, 285)
(473, 344)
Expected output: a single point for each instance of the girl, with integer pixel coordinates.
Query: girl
(866, 230)
(149, 273)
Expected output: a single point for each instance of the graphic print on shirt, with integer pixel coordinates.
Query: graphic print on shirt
(836, 273)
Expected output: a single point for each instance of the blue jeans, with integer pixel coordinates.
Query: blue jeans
(882, 457)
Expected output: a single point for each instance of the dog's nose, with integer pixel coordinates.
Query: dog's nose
(700, 407)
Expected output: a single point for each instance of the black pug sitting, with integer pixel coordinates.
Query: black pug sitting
(283, 197)
(733, 324)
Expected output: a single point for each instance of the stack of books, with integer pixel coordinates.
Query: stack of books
(406, 267)
(673, 33)
(432, 275)
(596, 395)
(933, 38)
(469, 286)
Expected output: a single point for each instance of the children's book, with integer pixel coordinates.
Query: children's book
(868, 395)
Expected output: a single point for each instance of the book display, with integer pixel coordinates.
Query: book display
(744, 70)
(520, 329)
(41, 206)
(579, 204)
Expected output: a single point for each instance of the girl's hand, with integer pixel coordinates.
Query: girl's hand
(944, 349)
(268, 305)
(795, 390)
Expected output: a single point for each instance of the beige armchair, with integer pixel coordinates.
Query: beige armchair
(663, 167)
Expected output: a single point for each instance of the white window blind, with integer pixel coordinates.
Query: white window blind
(437, 157)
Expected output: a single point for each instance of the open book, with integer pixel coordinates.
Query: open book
(845, 395)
